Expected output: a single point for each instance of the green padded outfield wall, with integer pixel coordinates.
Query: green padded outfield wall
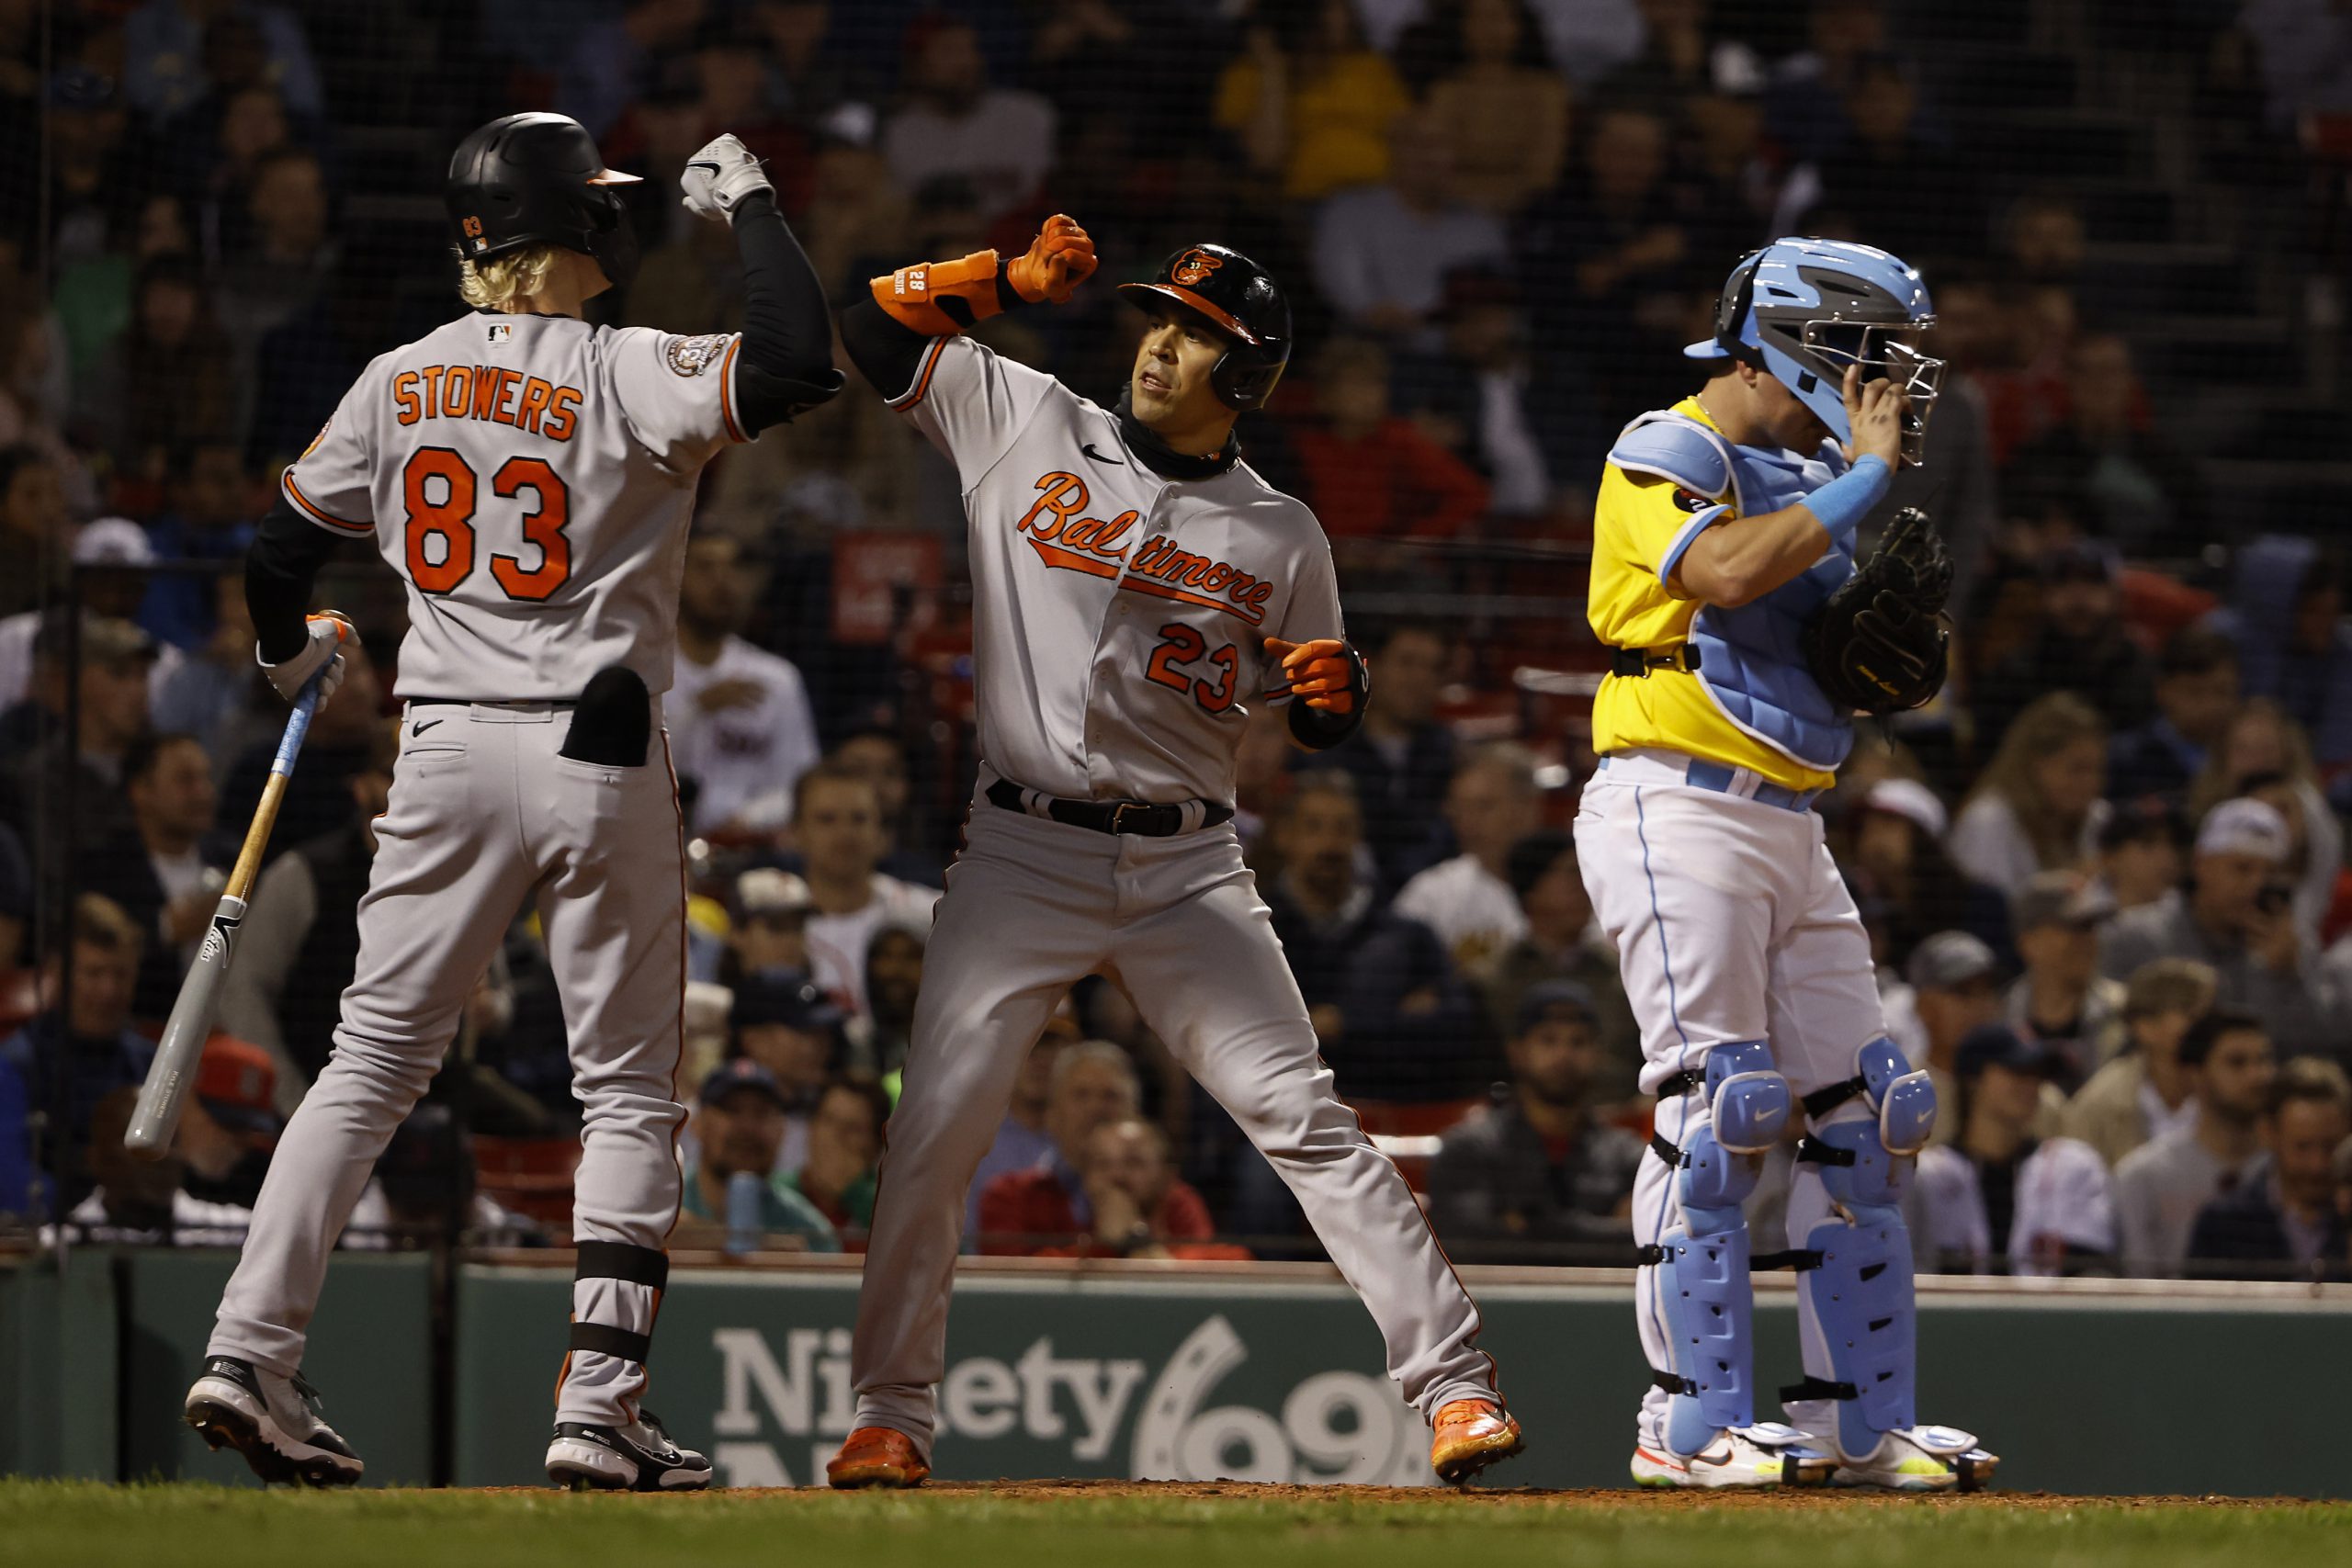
(91, 1367)
(1284, 1382)
(370, 1351)
(59, 1386)
(1145, 1377)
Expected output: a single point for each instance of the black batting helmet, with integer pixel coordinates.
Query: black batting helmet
(1243, 302)
(527, 179)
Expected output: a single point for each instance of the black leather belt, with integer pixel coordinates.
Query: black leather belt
(1107, 816)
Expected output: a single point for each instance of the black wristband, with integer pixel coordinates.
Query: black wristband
(1319, 729)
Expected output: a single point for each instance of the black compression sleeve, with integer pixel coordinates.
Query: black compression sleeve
(886, 350)
(287, 551)
(785, 365)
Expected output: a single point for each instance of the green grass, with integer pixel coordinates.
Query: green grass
(70, 1523)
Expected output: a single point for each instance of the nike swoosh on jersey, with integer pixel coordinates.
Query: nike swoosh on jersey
(1088, 448)
(420, 726)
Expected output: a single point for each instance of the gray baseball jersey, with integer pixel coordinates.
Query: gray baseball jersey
(531, 479)
(1119, 618)
(1119, 626)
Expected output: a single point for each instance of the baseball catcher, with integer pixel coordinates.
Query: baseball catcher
(1745, 637)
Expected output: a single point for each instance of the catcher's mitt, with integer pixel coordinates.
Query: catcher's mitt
(1880, 643)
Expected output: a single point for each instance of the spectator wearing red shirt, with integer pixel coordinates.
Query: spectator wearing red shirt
(1370, 475)
(1138, 1208)
(1094, 1083)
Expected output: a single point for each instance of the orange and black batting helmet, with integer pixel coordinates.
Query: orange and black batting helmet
(1241, 302)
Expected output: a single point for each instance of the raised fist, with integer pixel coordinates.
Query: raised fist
(720, 177)
(1058, 260)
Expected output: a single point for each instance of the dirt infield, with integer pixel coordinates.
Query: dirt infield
(1822, 1500)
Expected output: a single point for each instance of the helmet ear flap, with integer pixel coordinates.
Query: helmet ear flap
(1242, 383)
(1732, 308)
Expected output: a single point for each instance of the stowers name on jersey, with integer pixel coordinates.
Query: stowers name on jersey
(1067, 541)
(489, 392)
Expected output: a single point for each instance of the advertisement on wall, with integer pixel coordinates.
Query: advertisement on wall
(1114, 1374)
(1110, 1380)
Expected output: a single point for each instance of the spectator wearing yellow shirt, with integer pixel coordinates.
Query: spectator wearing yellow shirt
(1310, 101)
(1503, 107)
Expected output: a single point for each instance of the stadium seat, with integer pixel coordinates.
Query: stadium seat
(530, 1176)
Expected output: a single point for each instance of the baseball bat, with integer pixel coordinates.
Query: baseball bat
(157, 1116)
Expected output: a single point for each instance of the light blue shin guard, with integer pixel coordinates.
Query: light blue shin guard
(1861, 1288)
(1702, 1262)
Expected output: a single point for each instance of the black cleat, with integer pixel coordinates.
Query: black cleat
(273, 1421)
(638, 1457)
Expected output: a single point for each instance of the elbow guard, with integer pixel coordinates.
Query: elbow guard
(941, 299)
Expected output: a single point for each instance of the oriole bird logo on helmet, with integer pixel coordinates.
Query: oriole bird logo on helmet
(1194, 265)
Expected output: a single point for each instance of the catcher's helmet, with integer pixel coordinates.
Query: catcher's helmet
(1241, 301)
(527, 179)
(1802, 310)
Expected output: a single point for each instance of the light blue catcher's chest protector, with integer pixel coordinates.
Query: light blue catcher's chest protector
(1751, 661)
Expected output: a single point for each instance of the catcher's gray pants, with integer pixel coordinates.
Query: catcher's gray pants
(1031, 906)
(483, 817)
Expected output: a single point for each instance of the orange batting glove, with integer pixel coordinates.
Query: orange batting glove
(1059, 259)
(1318, 673)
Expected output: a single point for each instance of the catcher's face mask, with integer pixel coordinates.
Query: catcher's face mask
(1885, 353)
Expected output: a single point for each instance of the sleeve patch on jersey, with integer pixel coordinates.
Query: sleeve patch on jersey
(321, 436)
(692, 356)
(1691, 501)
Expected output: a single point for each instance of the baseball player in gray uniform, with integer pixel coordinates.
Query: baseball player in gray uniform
(1136, 588)
(531, 478)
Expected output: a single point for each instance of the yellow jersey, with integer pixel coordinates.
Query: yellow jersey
(1640, 522)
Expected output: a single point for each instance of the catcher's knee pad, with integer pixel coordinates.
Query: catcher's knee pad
(1703, 1263)
(1904, 1099)
(1855, 1273)
(1747, 1099)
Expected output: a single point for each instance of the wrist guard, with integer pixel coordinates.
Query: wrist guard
(941, 299)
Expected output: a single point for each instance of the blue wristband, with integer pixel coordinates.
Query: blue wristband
(1841, 503)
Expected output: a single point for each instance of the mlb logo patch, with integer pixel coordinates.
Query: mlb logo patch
(501, 330)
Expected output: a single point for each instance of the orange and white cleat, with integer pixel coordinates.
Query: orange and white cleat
(1471, 1435)
(876, 1456)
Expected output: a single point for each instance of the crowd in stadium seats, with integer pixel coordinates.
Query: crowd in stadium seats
(2104, 874)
